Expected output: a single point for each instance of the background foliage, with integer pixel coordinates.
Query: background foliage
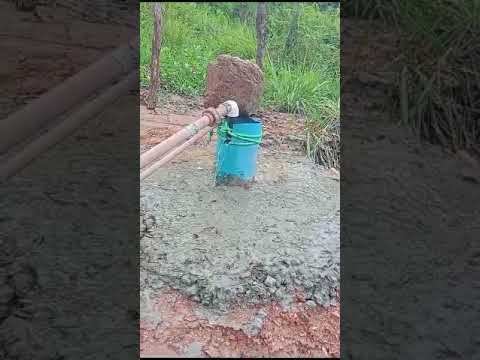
(304, 80)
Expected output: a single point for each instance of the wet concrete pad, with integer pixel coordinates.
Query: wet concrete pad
(228, 244)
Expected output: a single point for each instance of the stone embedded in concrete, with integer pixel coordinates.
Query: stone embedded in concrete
(232, 78)
(270, 281)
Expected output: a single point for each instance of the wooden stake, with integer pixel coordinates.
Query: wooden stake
(151, 100)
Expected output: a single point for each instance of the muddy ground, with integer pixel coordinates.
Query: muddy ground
(239, 260)
(62, 210)
(409, 208)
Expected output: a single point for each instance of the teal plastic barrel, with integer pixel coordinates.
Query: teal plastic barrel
(237, 147)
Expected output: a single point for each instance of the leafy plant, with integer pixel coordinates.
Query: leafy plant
(439, 91)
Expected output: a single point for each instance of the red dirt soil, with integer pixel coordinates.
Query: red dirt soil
(301, 331)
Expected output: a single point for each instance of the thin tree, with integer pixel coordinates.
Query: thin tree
(261, 26)
(155, 61)
(241, 10)
(293, 28)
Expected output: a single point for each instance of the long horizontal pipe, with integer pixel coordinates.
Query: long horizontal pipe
(181, 136)
(25, 122)
(19, 160)
(154, 167)
(176, 139)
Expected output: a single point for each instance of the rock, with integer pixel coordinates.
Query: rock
(270, 281)
(253, 328)
(192, 290)
(321, 298)
(262, 313)
(308, 284)
(295, 262)
(245, 275)
(194, 350)
(232, 78)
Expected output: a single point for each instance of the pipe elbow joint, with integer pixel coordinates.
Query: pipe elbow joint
(212, 114)
(232, 108)
(228, 108)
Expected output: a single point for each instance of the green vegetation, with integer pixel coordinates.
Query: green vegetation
(193, 36)
(303, 80)
(439, 84)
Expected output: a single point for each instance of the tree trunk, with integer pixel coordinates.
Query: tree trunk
(243, 11)
(261, 26)
(155, 61)
(293, 28)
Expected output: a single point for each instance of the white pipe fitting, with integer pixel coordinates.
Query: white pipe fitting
(233, 110)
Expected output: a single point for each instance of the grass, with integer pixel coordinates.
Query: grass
(439, 83)
(191, 40)
(304, 80)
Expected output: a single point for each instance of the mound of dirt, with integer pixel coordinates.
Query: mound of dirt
(175, 326)
(232, 78)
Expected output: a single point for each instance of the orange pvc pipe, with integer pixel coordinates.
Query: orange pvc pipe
(176, 139)
(180, 137)
(21, 159)
(28, 120)
(152, 168)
